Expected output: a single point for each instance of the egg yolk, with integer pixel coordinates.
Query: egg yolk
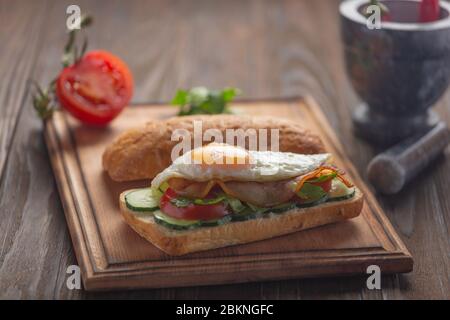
(221, 155)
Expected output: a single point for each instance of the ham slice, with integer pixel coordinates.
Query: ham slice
(261, 194)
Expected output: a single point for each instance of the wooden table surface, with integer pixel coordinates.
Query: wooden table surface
(266, 48)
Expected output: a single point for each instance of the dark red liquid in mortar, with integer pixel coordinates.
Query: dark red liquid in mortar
(404, 11)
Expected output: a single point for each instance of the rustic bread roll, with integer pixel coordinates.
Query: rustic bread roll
(143, 153)
(179, 242)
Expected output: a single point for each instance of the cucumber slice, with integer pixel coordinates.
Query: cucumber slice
(348, 196)
(257, 209)
(339, 191)
(214, 223)
(246, 214)
(313, 203)
(180, 224)
(173, 223)
(283, 207)
(145, 200)
(141, 200)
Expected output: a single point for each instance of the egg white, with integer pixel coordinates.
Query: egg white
(265, 166)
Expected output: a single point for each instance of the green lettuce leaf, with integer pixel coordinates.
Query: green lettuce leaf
(311, 192)
(236, 205)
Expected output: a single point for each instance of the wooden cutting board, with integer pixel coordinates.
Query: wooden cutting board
(112, 256)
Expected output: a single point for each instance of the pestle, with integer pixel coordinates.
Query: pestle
(392, 169)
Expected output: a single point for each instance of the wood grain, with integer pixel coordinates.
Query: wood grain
(112, 256)
(267, 48)
(20, 42)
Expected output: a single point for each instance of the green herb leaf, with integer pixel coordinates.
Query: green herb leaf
(83, 48)
(198, 95)
(257, 209)
(200, 100)
(86, 21)
(311, 192)
(228, 94)
(236, 205)
(43, 101)
(70, 42)
(216, 103)
(180, 98)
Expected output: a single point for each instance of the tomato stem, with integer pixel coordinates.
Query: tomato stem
(44, 100)
(70, 55)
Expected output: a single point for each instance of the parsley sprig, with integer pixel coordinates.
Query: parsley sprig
(201, 100)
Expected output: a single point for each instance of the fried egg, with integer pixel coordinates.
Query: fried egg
(228, 163)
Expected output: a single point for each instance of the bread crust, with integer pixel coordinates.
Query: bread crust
(176, 243)
(143, 153)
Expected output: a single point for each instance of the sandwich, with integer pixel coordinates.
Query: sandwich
(144, 152)
(220, 195)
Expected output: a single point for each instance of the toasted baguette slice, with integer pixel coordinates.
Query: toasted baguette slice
(175, 242)
(143, 153)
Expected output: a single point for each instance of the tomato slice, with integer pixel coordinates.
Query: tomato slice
(96, 88)
(191, 211)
